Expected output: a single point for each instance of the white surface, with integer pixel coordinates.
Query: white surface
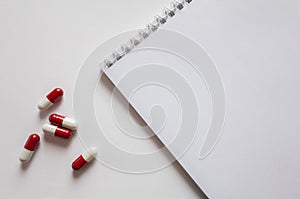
(42, 46)
(255, 45)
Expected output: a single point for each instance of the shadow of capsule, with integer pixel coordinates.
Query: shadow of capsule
(77, 173)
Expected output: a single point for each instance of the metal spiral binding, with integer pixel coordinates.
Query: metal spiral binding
(151, 27)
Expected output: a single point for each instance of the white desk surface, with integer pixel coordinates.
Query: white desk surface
(43, 45)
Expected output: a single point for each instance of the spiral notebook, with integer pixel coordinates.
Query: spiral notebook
(218, 83)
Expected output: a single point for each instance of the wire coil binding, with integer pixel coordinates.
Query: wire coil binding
(151, 27)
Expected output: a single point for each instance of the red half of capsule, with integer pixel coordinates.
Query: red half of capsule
(55, 95)
(56, 119)
(32, 142)
(78, 163)
(62, 132)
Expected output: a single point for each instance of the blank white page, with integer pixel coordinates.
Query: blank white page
(219, 85)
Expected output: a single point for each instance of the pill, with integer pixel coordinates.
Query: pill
(50, 99)
(29, 148)
(84, 158)
(57, 131)
(63, 121)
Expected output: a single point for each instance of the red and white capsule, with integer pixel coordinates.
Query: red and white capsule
(63, 121)
(51, 98)
(84, 158)
(57, 131)
(29, 148)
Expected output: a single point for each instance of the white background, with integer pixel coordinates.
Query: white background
(42, 46)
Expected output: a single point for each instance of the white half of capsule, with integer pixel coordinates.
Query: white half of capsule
(49, 129)
(44, 104)
(69, 123)
(25, 155)
(90, 154)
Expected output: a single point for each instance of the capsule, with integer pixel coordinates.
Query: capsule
(29, 148)
(50, 99)
(84, 158)
(57, 131)
(63, 121)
